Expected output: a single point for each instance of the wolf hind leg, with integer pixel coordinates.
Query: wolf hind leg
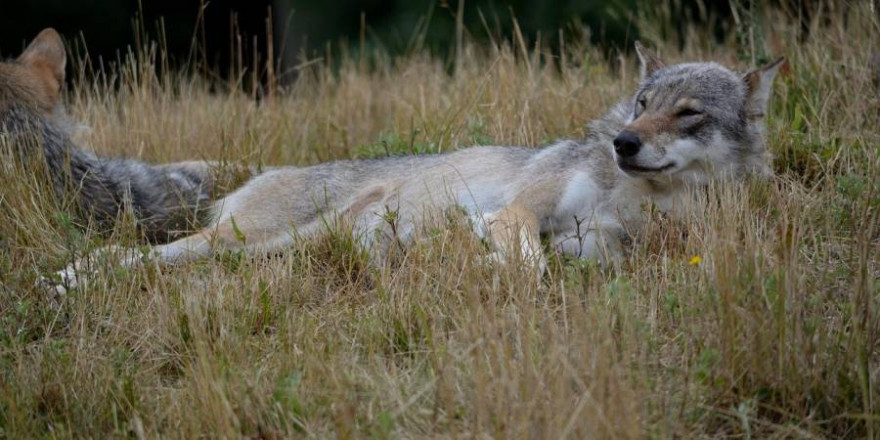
(186, 249)
(224, 236)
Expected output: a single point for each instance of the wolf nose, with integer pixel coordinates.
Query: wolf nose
(627, 143)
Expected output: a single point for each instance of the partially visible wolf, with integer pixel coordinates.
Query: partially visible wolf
(165, 200)
(686, 125)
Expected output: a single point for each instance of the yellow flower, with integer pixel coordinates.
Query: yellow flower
(695, 260)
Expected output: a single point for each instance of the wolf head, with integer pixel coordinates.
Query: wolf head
(32, 83)
(34, 79)
(694, 120)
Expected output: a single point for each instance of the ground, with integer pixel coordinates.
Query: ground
(755, 318)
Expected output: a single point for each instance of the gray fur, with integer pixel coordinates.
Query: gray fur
(164, 201)
(721, 91)
(695, 123)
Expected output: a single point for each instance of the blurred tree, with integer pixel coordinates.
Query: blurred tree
(106, 28)
(400, 25)
(304, 27)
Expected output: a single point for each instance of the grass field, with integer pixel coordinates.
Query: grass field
(756, 318)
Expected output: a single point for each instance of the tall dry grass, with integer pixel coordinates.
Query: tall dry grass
(772, 332)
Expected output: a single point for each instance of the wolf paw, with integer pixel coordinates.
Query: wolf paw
(498, 259)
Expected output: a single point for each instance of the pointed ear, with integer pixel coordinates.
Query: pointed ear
(759, 84)
(46, 52)
(649, 62)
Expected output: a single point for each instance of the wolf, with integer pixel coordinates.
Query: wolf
(685, 126)
(164, 199)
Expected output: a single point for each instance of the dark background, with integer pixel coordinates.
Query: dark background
(106, 28)
(303, 29)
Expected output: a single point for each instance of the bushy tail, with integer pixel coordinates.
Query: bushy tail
(166, 201)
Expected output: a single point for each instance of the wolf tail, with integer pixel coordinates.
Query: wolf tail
(165, 200)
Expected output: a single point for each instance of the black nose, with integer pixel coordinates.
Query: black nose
(627, 143)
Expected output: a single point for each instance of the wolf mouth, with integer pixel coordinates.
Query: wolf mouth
(628, 167)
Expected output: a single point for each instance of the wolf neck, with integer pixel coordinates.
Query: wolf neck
(606, 128)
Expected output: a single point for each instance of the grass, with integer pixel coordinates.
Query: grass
(771, 333)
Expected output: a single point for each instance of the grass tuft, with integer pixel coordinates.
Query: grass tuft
(754, 316)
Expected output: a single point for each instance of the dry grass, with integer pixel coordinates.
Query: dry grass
(774, 334)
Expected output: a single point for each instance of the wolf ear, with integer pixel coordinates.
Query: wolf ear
(46, 52)
(759, 83)
(648, 61)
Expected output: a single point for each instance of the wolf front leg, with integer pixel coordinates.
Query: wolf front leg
(604, 245)
(515, 231)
